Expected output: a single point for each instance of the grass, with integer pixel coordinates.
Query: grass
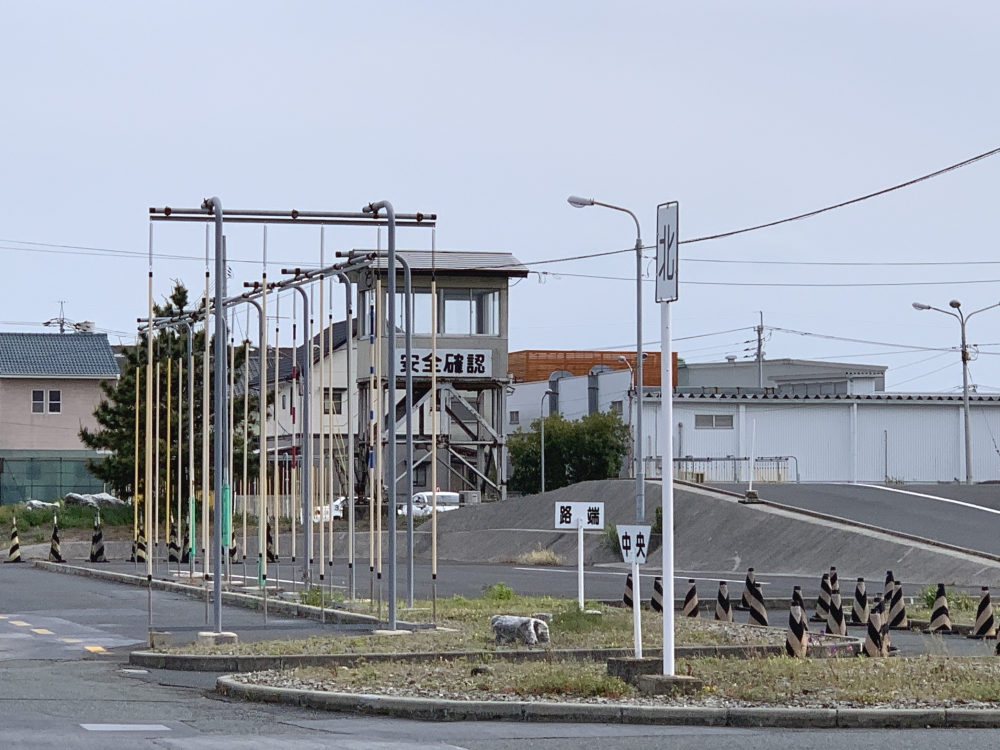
(918, 681)
(463, 625)
(539, 557)
(314, 595)
(70, 517)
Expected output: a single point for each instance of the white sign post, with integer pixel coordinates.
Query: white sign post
(634, 544)
(579, 516)
(667, 241)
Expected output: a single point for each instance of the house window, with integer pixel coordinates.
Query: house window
(336, 395)
(515, 417)
(713, 421)
(55, 402)
(468, 312)
(618, 407)
(38, 402)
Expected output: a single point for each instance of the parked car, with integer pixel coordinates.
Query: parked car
(335, 510)
(423, 503)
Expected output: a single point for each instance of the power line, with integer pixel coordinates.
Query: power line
(843, 263)
(918, 377)
(819, 211)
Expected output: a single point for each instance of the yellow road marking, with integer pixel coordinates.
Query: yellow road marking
(94, 649)
(42, 631)
(20, 623)
(70, 640)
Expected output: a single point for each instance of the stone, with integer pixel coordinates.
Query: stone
(482, 669)
(160, 639)
(510, 629)
(208, 638)
(543, 616)
(661, 684)
(629, 669)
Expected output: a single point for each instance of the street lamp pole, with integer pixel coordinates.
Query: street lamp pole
(962, 319)
(544, 396)
(640, 470)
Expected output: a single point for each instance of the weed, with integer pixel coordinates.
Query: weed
(609, 540)
(498, 592)
(540, 557)
(314, 595)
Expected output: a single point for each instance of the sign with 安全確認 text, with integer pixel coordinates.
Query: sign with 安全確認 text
(570, 515)
(451, 363)
(634, 542)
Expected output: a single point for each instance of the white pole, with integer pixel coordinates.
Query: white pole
(667, 501)
(753, 450)
(579, 562)
(637, 610)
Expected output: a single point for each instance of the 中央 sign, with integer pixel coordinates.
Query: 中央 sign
(634, 543)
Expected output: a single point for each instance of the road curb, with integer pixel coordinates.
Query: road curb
(429, 709)
(850, 647)
(248, 601)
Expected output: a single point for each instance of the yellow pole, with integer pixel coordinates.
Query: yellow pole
(135, 463)
(206, 406)
(166, 499)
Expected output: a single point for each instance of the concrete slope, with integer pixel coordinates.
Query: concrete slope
(713, 533)
(955, 514)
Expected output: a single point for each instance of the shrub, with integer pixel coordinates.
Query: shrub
(498, 592)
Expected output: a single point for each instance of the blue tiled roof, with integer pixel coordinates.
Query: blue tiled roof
(56, 355)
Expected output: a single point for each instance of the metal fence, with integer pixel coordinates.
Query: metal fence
(23, 479)
(732, 469)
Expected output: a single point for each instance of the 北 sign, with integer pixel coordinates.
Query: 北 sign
(666, 251)
(569, 515)
(634, 543)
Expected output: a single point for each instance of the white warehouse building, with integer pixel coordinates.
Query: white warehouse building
(851, 433)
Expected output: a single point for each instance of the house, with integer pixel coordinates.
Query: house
(50, 385)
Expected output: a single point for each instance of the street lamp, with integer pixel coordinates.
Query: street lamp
(640, 479)
(962, 318)
(545, 395)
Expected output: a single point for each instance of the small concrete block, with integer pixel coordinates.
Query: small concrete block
(160, 639)
(595, 612)
(391, 632)
(628, 669)
(208, 638)
(662, 684)
(543, 616)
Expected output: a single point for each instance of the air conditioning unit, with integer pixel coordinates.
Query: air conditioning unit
(468, 498)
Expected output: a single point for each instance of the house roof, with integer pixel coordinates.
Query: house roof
(70, 355)
(458, 262)
(335, 335)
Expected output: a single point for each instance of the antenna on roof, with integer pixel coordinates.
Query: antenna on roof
(62, 320)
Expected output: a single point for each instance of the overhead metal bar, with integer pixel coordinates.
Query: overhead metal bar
(292, 216)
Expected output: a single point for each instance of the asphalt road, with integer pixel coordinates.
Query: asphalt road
(55, 693)
(955, 514)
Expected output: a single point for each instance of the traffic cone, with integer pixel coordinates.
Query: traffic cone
(890, 585)
(656, 601)
(797, 599)
(883, 614)
(758, 614)
(723, 609)
(985, 624)
(873, 637)
(140, 548)
(834, 580)
(796, 639)
(186, 550)
(859, 612)
(897, 609)
(97, 542)
(823, 602)
(14, 553)
(940, 621)
(627, 598)
(748, 589)
(835, 624)
(233, 551)
(690, 601)
(173, 551)
(55, 553)
(270, 545)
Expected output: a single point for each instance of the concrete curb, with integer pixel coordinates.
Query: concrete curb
(429, 709)
(850, 647)
(232, 598)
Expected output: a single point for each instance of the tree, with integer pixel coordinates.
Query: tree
(575, 451)
(116, 416)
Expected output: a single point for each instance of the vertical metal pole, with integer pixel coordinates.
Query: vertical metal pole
(274, 468)
(227, 511)
(330, 463)
(180, 459)
(408, 301)
(323, 422)
(166, 498)
(221, 408)
(262, 432)
(306, 482)
(579, 563)
(434, 426)
(667, 498)
(135, 463)
(292, 394)
(192, 543)
(640, 468)
(156, 464)
(206, 405)
(637, 610)
(149, 432)
(391, 367)
(348, 314)
(542, 442)
(246, 438)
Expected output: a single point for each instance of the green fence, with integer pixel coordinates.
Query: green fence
(35, 478)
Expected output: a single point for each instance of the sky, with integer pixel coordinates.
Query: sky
(490, 115)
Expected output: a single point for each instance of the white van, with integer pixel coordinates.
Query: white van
(423, 503)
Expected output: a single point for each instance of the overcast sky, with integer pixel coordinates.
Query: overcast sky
(491, 115)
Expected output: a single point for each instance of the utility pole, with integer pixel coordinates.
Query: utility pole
(760, 352)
